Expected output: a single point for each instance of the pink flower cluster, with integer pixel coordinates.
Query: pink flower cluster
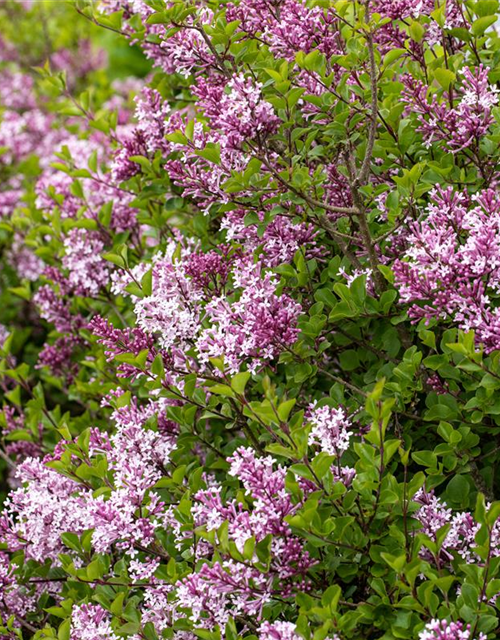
(91, 622)
(400, 9)
(99, 188)
(58, 357)
(222, 304)
(434, 514)
(25, 129)
(19, 450)
(279, 242)
(137, 457)
(444, 630)
(222, 590)
(148, 137)
(87, 271)
(462, 125)
(238, 110)
(282, 631)
(227, 587)
(451, 268)
(49, 504)
(330, 429)
(23, 260)
(236, 114)
(394, 34)
(255, 328)
(128, 515)
(13, 598)
(120, 341)
(36, 514)
(56, 310)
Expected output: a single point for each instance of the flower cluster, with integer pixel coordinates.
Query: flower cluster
(451, 265)
(237, 249)
(230, 587)
(91, 622)
(279, 242)
(193, 305)
(329, 429)
(95, 192)
(48, 504)
(12, 598)
(462, 125)
(41, 510)
(119, 341)
(282, 631)
(434, 514)
(444, 630)
(256, 327)
(87, 271)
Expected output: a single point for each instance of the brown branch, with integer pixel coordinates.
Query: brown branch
(363, 174)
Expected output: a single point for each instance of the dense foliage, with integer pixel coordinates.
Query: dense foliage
(250, 307)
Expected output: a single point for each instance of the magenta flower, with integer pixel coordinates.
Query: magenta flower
(444, 630)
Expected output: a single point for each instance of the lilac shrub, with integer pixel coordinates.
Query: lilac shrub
(250, 327)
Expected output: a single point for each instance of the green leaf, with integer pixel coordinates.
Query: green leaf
(157, 367)
(349, 360)
(486, 8)
(239, 382)
(63, 633)
(425, 458)
(395, 562)
(458, 490)
(72, 541)
(326, 296)
(417, 31)
(92, 163)
(445, 77)
(211, 152)
(285, 408)
(392, 55)
(95, 570)
(189, 130)
(114, 258)
(222, 390)
(177, 137)
(14, 396)
(480, 25)
(116, 607)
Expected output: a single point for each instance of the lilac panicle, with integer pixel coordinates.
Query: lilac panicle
(444, 630)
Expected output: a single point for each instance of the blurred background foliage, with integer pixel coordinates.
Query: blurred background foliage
(32, 36)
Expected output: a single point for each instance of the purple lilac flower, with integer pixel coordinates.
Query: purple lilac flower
(451, 268)
(91, 622)
(282, 631)
(444, 630)
(330, 429)
(460, 126)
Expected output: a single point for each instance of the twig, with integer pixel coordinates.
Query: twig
(362, 176)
